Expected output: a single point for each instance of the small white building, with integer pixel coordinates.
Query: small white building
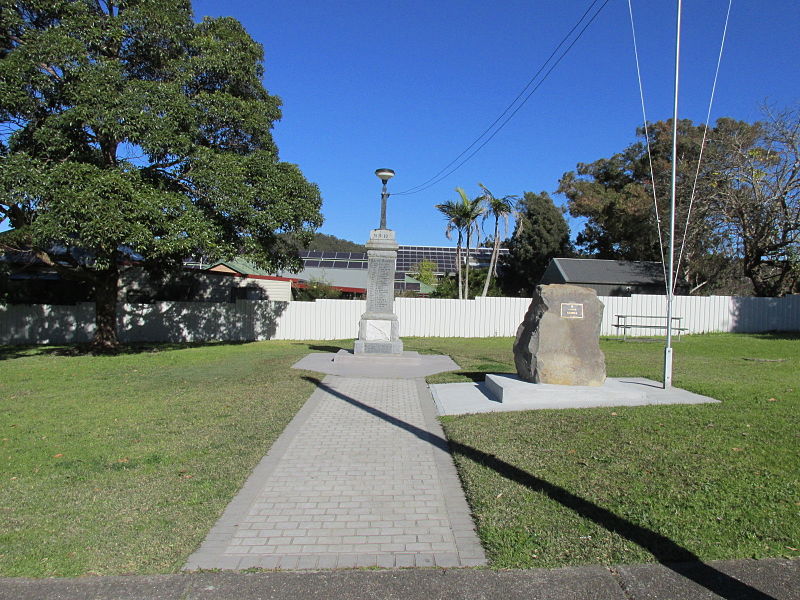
(222, 282)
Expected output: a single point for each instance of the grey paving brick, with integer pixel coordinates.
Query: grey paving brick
(354, 480)
(425, 559)
(347, 561)
(385, 561)
(289, 561)
(405, 560)
(308, 561)
(327, 561)
(446, 559)
(259, 562)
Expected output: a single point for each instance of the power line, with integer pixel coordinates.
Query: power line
(439, 176)
(508, 108)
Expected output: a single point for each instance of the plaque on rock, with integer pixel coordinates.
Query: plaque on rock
(559, 339)
(571, 310)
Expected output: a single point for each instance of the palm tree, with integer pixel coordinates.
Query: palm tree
(462, 215)
(471, 211)
(499, 208)
(451, 211)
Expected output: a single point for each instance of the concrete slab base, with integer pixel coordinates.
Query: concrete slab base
(510, 388)
(466, 398)
(408, 365)
(345, 357)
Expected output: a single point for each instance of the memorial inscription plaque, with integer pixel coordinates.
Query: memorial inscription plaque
(380, 285)
(571, 310)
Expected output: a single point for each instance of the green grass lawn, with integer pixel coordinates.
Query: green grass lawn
(713, 481)
(114, 465)
(122, 464)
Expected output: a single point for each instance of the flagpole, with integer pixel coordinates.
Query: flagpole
(670, 271)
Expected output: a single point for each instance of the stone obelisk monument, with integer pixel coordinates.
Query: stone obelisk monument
(379, 329)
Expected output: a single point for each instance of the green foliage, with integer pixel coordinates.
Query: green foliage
(615, 195)
(425, 272)
(317, 289)
(323, 242)
(448, 286)
(462, 216)
(541, 233)
(131, 127)
(744, 207)
(331, 243)
(500, 209)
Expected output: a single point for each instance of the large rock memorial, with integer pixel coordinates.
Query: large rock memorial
(379, 329)
(558, 342)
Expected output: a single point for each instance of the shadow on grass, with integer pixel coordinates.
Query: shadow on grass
(777, 335)
(319, 347)
(667, 552)
(11, 352)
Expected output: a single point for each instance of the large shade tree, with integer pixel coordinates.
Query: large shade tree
(131, 131)
(541, 233)
(736, 209)
(756, 209)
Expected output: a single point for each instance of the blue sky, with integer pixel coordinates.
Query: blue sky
(409, 84)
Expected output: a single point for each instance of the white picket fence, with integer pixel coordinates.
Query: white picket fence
(338, 319)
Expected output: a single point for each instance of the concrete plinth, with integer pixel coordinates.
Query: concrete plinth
(378, 336)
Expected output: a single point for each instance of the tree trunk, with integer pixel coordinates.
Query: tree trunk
(105, 298)
(458, 266)
(466, 267)
(493, 260)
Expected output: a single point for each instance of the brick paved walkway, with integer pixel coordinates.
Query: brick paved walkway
(360, 477)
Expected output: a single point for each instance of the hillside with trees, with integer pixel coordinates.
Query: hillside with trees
(331, 243)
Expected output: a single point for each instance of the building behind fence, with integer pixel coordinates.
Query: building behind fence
(247, 320)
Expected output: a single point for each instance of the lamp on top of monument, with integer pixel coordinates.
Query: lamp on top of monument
(384, 175)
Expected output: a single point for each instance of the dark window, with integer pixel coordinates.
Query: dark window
(247, 293)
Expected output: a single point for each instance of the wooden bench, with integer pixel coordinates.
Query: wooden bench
(626, 322)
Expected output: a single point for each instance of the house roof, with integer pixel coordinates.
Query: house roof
(593, 270)
(424, 288)
(241, 266)
(351, 280)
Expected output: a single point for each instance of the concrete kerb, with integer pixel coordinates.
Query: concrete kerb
(774, 579)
